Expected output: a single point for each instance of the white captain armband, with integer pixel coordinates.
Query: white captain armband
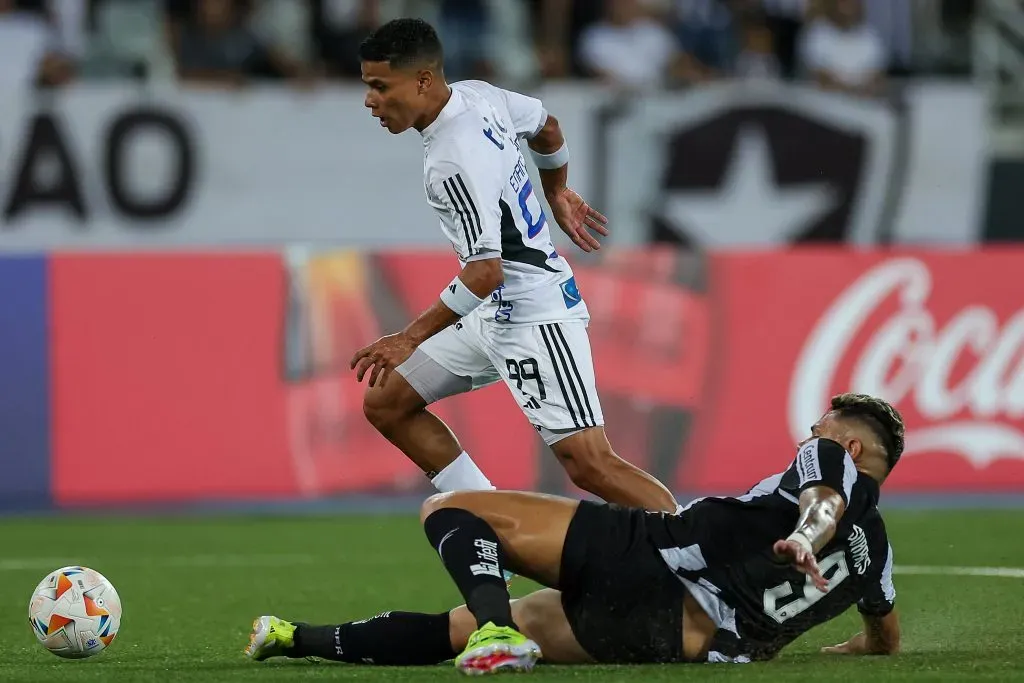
(549, 162)
(458, 297)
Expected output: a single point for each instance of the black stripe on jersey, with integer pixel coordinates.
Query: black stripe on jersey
(576, 372)
(475, 227)
(459, 209)
(568, 376)
(558, 375)
(513, 248)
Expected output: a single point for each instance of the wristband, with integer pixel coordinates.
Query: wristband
(550, 162)
(458, 297)
(802, 541)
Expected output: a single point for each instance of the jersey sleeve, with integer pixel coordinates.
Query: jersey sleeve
(469, 211)
(527, 113)
(823, 462)
(880, 596)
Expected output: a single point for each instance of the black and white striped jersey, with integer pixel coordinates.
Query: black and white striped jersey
(721, 548)
(477, 181)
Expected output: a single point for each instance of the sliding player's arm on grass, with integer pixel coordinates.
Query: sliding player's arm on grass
(827, 476)
(881, 634)
(820, 510)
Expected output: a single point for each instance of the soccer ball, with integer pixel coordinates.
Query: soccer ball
(75, 612)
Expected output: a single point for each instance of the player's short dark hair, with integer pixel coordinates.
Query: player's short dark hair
(884, 420)
(403, 43)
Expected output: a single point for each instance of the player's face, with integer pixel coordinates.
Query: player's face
(393, 96)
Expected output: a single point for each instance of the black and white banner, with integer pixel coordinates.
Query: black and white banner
(758, 165)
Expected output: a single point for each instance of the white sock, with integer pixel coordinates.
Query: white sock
(461, 474)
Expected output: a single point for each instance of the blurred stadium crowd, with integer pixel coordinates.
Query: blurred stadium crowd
(635, 44)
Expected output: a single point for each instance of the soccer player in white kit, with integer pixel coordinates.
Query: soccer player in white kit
(514, 312)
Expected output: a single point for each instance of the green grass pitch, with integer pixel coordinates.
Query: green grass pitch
(191, 587)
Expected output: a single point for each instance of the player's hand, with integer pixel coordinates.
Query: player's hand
(854, 646)
(576, 218)
(383, 355)
(804, 561)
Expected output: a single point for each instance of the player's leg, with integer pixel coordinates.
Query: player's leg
(412, 639)
(444, 365)
(475, 534)
(594, 466)
(388, 639)
(478, 535)
(550, 368)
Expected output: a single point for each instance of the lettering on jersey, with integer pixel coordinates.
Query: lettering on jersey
(807, 465)
(503, 133)
(489, 134)
(519, 174)
(529, 205)
(859, 549)
(487, 551)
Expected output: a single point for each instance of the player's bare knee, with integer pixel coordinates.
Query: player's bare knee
(436, 502)
(386, 408)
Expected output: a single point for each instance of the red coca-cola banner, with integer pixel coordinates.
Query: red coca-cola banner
(180, 377)
(940, 335)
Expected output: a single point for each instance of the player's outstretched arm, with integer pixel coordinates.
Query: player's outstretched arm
(821, 508)
(881, 636)
(464, 294)
(572, 213)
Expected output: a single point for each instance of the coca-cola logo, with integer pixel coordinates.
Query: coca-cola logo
(909, 359)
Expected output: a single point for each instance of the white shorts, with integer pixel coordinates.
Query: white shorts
(547, 367)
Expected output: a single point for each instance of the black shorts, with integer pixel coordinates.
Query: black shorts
(623, 602)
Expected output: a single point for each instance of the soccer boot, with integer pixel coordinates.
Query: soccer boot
(497, 648)
(270, 637)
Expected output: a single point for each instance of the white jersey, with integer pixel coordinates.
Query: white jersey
(476, 179)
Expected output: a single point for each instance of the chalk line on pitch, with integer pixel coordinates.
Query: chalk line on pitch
(998, 572)
(180, 561)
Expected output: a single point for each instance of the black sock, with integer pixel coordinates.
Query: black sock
(471, 553)
(389, 639)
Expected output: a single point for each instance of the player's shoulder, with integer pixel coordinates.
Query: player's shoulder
(818, 452)
(476, 87)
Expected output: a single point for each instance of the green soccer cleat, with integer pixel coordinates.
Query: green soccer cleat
(270, 637)
(497, 648)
